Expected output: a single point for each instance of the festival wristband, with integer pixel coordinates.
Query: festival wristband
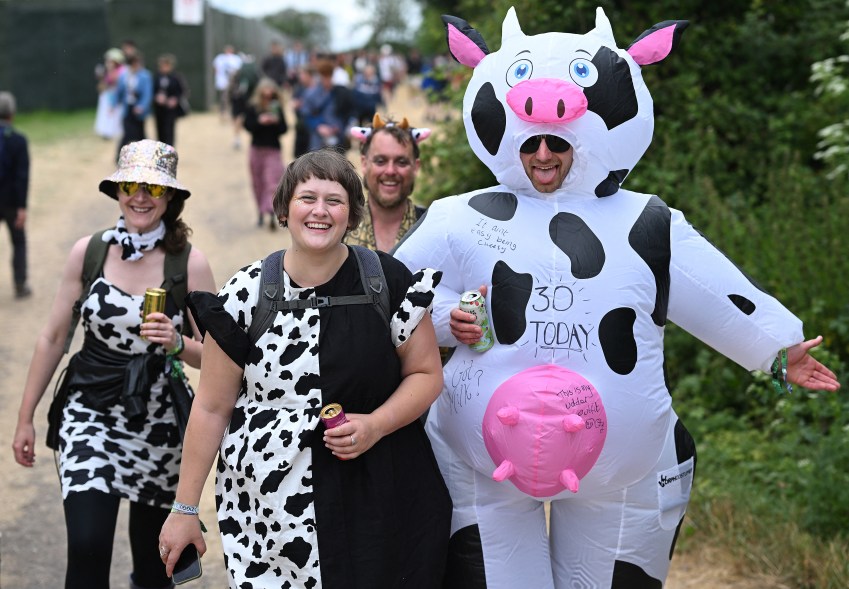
(779, 373)
(178, 349)
(178, 507)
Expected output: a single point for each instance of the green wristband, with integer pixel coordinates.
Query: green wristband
(181, 345)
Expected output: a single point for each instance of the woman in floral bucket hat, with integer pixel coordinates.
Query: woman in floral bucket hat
(115, 420)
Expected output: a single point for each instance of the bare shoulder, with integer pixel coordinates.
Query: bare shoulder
(200, 273)
(74, 263)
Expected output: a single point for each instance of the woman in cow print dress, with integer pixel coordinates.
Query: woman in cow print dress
(119, 436)
(359, 505)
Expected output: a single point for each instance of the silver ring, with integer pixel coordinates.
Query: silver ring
(163, 551)
(353, 440)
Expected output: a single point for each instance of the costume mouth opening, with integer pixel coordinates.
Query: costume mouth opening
(554, 143)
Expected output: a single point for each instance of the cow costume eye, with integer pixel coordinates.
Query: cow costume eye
(519, 72)
(583, 72)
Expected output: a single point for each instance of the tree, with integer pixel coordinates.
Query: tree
(388, 20)
(831, 80)
(310, 28)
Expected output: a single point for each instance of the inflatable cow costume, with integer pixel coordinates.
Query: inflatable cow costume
(571, 404)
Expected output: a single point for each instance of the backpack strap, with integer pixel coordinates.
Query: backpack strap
(95, 254)
(270, 291)
(271, 295)
(177, 281)
(373, 279)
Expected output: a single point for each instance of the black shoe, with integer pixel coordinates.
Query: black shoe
(22, 291)
(259, 223)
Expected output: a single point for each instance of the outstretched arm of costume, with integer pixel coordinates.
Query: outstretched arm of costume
(49, 349)
(806, 371)
(715, 301)
(218, 389)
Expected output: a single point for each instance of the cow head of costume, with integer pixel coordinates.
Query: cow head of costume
(581, 88)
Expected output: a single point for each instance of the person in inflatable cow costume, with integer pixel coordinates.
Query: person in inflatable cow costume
(570, 404)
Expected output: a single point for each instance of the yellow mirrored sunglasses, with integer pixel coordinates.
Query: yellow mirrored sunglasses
(154, 190)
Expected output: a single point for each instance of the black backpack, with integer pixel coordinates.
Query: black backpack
(271, 292)
(176, 280)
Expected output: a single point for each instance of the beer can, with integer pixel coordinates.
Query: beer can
(472, 301)
(332, 415)
(154, 302)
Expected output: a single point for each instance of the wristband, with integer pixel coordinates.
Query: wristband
(779, 373)
(178, 507)
(181, 345)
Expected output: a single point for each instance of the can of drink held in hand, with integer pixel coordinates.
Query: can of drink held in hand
(154, 302)
(472, 301)
(332, 415)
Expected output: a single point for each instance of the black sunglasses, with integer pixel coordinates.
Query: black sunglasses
(554, 143)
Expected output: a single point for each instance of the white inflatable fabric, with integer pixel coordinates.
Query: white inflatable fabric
(581, 284)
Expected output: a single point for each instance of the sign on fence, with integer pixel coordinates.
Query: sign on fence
(188, 12)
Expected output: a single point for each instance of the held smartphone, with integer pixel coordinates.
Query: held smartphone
(188, 566)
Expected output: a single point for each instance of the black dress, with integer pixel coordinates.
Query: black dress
(288, 509)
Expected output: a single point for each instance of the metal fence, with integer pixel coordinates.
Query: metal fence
(49, 49)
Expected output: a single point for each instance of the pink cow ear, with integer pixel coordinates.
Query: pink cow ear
(360, 133)
(420, 133)
(657, 43)
(464, 42)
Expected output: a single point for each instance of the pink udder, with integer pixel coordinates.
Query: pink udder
(544, 429)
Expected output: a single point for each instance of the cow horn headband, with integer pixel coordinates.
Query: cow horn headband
(363, 133)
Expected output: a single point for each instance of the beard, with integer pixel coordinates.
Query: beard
(375, 196)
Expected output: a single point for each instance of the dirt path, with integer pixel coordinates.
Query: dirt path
(65, 205)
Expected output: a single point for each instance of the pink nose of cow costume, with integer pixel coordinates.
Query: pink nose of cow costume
(547, 100)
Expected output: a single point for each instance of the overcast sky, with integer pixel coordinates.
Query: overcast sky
(342, 15)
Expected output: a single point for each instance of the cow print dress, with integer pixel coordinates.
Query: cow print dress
(290, 513)
(137, 459)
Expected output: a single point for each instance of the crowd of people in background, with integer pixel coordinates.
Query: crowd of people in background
(128, 93)
(329, 92)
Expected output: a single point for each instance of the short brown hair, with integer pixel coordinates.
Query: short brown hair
(325, 68)
(322, 164)
(402, 136)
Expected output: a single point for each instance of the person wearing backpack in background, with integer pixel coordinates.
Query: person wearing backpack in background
(14, 184)
(115, 420)
(243, 83)
(361, 504)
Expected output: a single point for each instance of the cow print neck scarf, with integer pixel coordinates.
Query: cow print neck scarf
(134, 244)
